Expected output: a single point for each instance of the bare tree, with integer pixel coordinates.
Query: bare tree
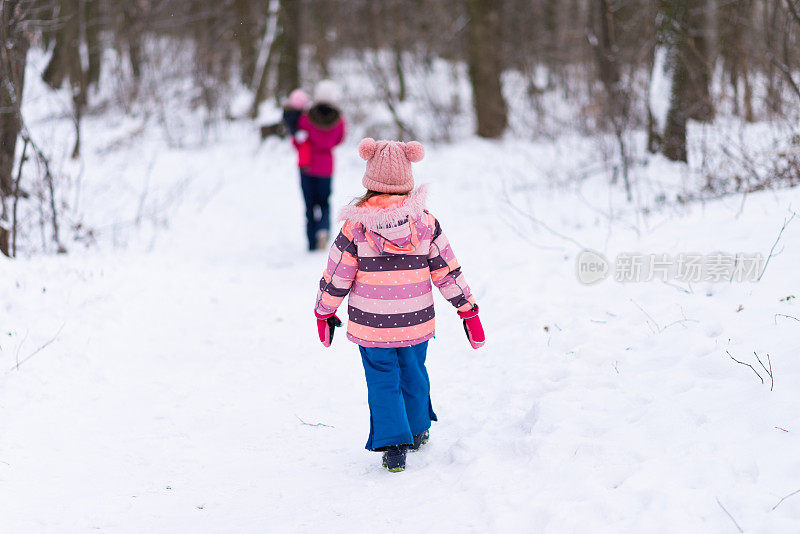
(93, 17)
(601, 35)
(15, 40)
(674, 19)
(248, 29)
(289, 46)
(733, 21)
(695, 53)
(66, 63)
(485, 67)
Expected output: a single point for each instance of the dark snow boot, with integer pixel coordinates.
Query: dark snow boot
(394, 458)
(419, 440)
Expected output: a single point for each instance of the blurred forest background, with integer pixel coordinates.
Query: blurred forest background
(638, 73)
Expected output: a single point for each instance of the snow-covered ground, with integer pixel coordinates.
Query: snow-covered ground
(180, 359)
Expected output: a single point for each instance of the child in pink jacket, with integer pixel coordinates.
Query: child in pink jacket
(316, 132)
(387, 256)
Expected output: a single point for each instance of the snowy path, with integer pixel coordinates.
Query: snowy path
(171, 400)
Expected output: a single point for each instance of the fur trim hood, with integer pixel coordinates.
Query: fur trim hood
(374, 219)
(324, 115)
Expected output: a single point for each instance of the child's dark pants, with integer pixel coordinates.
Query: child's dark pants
(398, 394)
(316, 191)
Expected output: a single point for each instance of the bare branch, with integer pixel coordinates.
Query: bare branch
(748, 365)
(772, 250)
(649, 317)
(768, 371)
(786, 497)
(314, 424)
(793, 11)
(15, 202)
(729, 515)
(541, 223)
(775, 319)
(771, 376)
(40, 349)
(786, 71)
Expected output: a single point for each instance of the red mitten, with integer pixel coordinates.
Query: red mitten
(304, 155)
(326, 325)
(473, 327)
(303, 147)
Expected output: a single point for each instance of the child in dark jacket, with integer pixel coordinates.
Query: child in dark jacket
(315, 134)
(389, 253)
(294, 108)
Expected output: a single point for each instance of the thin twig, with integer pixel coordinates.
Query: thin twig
(676, 286)
(771, 376)
(315, 424)
(16, 199)
(775, 319)
(793, 11)
(759, 361)
(658, 328)
(48, 179)
(785, 223)
(40, 349)
(786, 71)
(373, 65)
(540, 222)
(768, 371)
(680, 322)
(729, 515)
(19, 347)
(786, 497)
(748, 365)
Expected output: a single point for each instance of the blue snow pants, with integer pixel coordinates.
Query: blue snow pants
(398, 394)
(316, 192)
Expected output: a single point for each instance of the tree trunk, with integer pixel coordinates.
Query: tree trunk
(94, 23)
(602, 37)
(320, 16)
(65, 63)
(486, 66)
(673, 143)
(289, 59)
(774, 82)
(695, 53)
(131, 36)
(247, 32)
(685, 93)
(399, 39)
(266, 55)
(13, 57)
(602, 40)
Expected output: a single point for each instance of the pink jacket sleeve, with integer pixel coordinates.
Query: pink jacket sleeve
(337, 279)
(445, 270)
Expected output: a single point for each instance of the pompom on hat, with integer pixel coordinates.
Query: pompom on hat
(299, 99)
(389, 164)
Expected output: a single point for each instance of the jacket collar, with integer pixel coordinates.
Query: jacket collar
(374, 217)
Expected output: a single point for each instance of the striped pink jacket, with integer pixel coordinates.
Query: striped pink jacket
(386, 256)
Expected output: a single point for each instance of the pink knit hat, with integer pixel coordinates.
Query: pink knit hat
(299, 99)
(389, 164)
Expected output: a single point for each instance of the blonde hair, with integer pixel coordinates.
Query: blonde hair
(360, 201)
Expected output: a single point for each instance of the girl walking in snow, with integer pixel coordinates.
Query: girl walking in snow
(387, 256)
(315, 133)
